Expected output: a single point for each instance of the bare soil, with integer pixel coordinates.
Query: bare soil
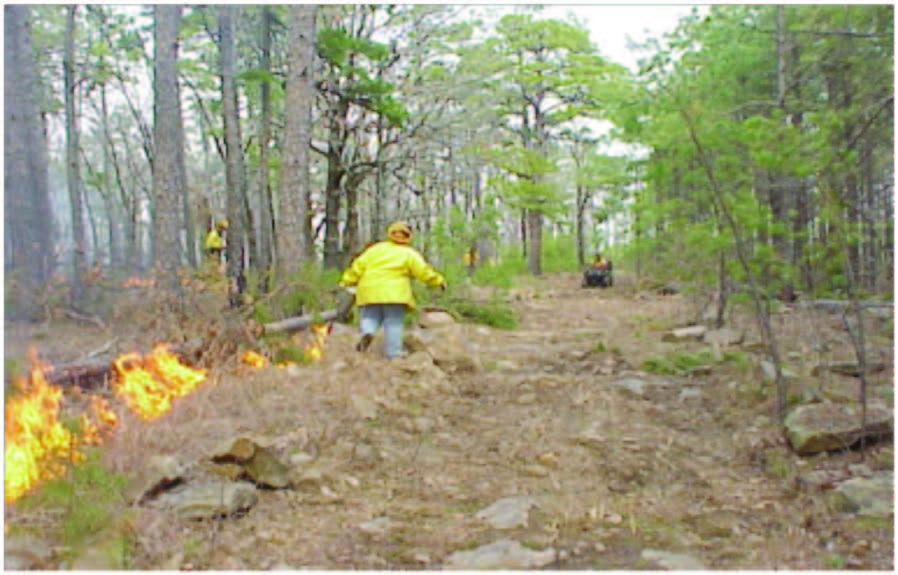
(706, 473)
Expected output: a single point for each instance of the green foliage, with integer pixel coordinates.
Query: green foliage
(496, 313)
(290, 353)
(310, 290)
(340, 49)
(679, 363)
(90, 498)
(721, 143)
(501, 274)
(12, 368)
(560, 254)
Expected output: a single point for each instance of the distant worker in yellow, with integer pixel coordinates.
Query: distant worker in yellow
(214, 244)
(599, 262)
(470, 259)
(382, 277)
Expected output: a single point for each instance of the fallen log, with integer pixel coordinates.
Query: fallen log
(291, 324)
(835, 305)
(90, 372)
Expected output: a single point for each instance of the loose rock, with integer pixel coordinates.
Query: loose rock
(266, 470)
(633, 386)
(691, 333)
(377, 526)
(508, 513)
(450, 349)
(689, 393)
(673, 561)
(872, 496)
(724, 337)
(501, 554)
(827, 427)
(430, 320)
(256, 461)
(239, 450)
(209, 500)
(162, 472)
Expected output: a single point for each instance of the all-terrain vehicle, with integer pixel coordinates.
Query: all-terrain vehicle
(598, 275)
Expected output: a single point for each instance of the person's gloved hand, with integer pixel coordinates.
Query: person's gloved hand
(349, 289)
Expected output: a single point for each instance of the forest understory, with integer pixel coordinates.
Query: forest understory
(602, 446)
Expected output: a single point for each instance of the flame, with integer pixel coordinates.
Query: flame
(148, 385)
(137, 281)
(254, 359)
(315, 350)
(37, 443)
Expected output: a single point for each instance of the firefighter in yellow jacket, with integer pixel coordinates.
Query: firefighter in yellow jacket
(214, 244)
(382, 277)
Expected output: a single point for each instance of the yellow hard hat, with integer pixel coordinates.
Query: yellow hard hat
(221, 224)
(399, 232)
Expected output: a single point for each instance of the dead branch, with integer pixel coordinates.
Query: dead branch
(304, 321)
(85, 318)
(88, 373)
(837, 305)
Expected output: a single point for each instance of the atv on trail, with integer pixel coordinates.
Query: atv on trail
(598, 276)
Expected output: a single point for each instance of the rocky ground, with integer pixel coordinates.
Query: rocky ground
(549, 446)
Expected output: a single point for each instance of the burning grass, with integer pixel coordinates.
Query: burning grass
(40, 444)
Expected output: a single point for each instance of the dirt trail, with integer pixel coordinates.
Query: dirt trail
(662, 463)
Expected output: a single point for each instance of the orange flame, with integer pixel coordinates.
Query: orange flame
(254, 359)
(37, 443)
(137, 281)
(315, 350)
(148, 385)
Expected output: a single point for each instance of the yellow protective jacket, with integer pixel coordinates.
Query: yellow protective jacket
(382, 274)
(213, 241)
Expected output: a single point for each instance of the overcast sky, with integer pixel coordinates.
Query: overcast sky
(610, 26)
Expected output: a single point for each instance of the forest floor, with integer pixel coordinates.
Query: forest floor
(598, 464)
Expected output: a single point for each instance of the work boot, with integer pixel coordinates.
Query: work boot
(363, 343)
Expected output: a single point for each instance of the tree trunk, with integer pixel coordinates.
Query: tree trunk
(166, 171)
(579, 217)
(234, 153)
(333, 191)
(779, 190)
(351, 235)
(28, 236)
(296, 183)
(266, 231)
(73, 171)
(110, 165)
(535, 229)
(190, 243)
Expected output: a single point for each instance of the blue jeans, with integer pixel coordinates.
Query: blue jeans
(392, 316)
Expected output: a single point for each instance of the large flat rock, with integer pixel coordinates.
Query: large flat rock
(873, 496)
(829, 426)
